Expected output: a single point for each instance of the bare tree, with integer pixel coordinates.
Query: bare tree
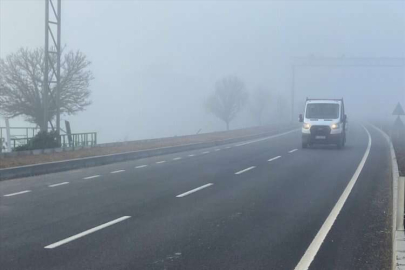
(21, 84)
(259, 102)
(228, 99)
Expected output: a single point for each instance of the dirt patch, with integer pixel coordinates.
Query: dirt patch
(114, 148)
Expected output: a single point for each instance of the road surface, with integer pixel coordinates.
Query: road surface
(250, 205)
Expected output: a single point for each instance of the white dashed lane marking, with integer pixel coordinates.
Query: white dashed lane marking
(193, 190)
(60, 184)
(245, 170)
(274, 158)
(91, 177)
(119, 171)
(17, 193)
(77, 236)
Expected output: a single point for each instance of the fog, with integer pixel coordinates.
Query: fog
(155, 62)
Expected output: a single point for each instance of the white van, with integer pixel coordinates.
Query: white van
(324, 122)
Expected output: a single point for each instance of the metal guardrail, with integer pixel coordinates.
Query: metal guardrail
(29, 131)
(79, 139)
(74, 140)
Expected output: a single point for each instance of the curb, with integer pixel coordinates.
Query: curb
(65, 165)
(398, 236)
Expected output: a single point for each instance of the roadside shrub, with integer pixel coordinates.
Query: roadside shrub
(42, 140)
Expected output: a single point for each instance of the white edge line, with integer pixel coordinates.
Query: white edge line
(274, 158)
(59, 184)
(245, 170)
(313, 248)
(292, 151)
(17, 193)
(77, 236)
(395, 178)
(194, 190)
(118, 171)
(141, 166)
(91, 177)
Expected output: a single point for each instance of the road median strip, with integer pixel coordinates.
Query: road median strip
(91, 161)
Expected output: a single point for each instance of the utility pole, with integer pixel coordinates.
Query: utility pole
(52, 82)
(45, 89)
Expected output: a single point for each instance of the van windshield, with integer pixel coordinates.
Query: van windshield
(322, 111)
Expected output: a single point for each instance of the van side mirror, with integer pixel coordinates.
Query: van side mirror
(300, 118)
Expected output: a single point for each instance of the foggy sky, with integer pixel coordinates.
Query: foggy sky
(155, 62)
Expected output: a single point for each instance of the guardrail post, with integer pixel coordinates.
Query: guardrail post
(400, 206)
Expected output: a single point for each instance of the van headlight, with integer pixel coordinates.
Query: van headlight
(306, 126)
(334, 126)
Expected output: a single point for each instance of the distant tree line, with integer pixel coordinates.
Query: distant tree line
(230, 97)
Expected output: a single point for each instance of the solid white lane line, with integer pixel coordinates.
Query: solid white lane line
(177, 158)
(140, 166)
(17, 193)
(60, 184)
(206, 152)
(292, 151)
(313, 249)
(118, 171)
(245, 170)
(91, 177)
(160, 162)
(77, 236)
(193, 190)
(274, 158)
(191, 155)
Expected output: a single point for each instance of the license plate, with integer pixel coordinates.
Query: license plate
(320, 137)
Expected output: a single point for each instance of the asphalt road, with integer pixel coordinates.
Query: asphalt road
(251, 205)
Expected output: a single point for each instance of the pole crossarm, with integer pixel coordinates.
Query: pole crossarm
(349, 61)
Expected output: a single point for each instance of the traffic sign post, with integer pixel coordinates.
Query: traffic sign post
(398, 130)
